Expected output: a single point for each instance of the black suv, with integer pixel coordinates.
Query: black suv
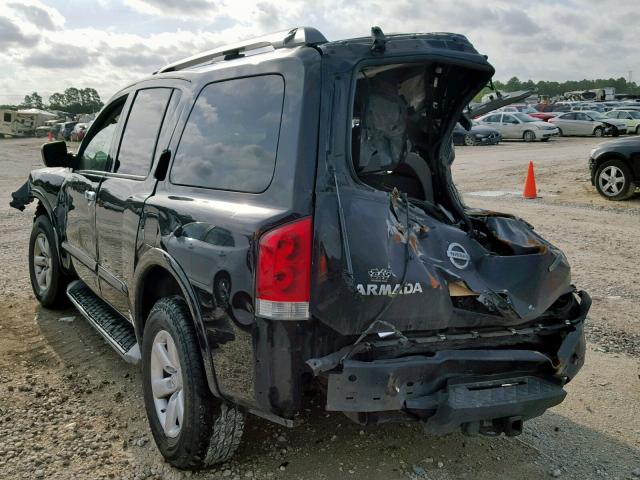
(614, 168)
(280, 214)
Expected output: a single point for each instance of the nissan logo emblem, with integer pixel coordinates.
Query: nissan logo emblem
(458, 256)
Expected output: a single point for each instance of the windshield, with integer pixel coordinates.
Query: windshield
(524, 118)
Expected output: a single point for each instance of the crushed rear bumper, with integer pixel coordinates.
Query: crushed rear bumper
(479, 391)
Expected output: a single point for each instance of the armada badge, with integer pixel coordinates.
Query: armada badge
(458, 256)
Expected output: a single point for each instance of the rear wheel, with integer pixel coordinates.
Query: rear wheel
(560, 134)
(638, 130)
(48, 280)
(191, 427)
(469, 140)
(613, 180)
(598, 132)
(529, 136)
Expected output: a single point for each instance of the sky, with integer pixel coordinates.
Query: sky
(49, 45)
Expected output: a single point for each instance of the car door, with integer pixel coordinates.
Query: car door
(126, 187)
(81, 188)
(565, 123)
(511, 126)
(494, 121)
(584, 124)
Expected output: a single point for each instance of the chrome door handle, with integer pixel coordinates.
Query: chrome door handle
(90, 195)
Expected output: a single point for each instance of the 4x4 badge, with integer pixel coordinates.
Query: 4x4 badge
(458, 256)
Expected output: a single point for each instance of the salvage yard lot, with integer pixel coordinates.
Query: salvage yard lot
(70, 408)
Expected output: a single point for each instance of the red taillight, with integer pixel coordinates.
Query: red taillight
(283, 279)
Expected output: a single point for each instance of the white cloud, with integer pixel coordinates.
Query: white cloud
(540, 40)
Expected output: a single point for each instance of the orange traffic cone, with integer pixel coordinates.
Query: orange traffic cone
(530, 190)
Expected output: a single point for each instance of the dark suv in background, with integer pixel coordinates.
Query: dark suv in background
(280, 213)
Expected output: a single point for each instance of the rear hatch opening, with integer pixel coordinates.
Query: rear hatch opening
(401, 123)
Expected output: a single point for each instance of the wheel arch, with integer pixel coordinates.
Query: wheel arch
(605, 157)
(158, 275)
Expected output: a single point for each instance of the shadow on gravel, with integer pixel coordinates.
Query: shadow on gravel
(328, 445)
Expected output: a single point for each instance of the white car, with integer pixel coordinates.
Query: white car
(519, 126)
(588, 123)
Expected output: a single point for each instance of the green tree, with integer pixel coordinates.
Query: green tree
(74, 100)
(33, 101)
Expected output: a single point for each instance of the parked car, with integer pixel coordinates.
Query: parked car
(519, 126)
(77, 134)
(523, 108)
(478, 135)
(349, 264)
(544, 116)
(586, 124)
(615, 168)
(592, 107)
(65, 131)
(57, 129)
(43, 131)
(631, 118)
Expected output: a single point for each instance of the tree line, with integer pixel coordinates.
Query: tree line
(72, 100)
(553, 89)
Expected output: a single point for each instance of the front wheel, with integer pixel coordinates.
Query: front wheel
(529, 136)
(560, 134)
(598, 132)
(469, 141)
(638, 130)
(191, 427)
(48, 279)
(613, 180)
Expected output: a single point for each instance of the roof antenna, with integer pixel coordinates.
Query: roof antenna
(379, 40)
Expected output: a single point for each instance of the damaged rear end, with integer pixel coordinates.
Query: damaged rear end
(427, 310)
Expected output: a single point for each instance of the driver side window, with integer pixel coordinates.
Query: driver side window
(95, 155)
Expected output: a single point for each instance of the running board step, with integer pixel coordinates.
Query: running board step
(115, 329)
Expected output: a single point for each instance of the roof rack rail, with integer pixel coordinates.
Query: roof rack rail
(294, 37)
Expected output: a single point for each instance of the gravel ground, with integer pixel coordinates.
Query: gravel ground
(70, 408)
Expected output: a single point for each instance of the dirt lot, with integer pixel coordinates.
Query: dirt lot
(70, 408)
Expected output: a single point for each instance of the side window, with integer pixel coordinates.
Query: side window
(230, 140)
(568, 116)
(509, 119)
(581, 116)
(141, 131)
(7, 116)
(95, 155)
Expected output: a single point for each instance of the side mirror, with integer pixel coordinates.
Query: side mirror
(55, 154)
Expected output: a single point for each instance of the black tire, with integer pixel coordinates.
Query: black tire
(529, 136)
(598, 132)
(627, 188)
(54, 294)
(560, 134)
(469, 140)
(638, 130)
(211, 430)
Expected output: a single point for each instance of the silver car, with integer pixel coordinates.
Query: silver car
(588, 123)
(519, 126)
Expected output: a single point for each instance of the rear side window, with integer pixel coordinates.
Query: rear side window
(230, 140)
(141, 131)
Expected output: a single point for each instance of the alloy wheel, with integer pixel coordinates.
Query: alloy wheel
(166, 383)
(42, 262)
(611, 181)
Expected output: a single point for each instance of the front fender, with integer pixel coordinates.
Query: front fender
(155, 257)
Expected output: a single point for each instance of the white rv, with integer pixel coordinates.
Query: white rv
(22, 123)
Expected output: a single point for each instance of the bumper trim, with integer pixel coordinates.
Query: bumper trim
(468, 405)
